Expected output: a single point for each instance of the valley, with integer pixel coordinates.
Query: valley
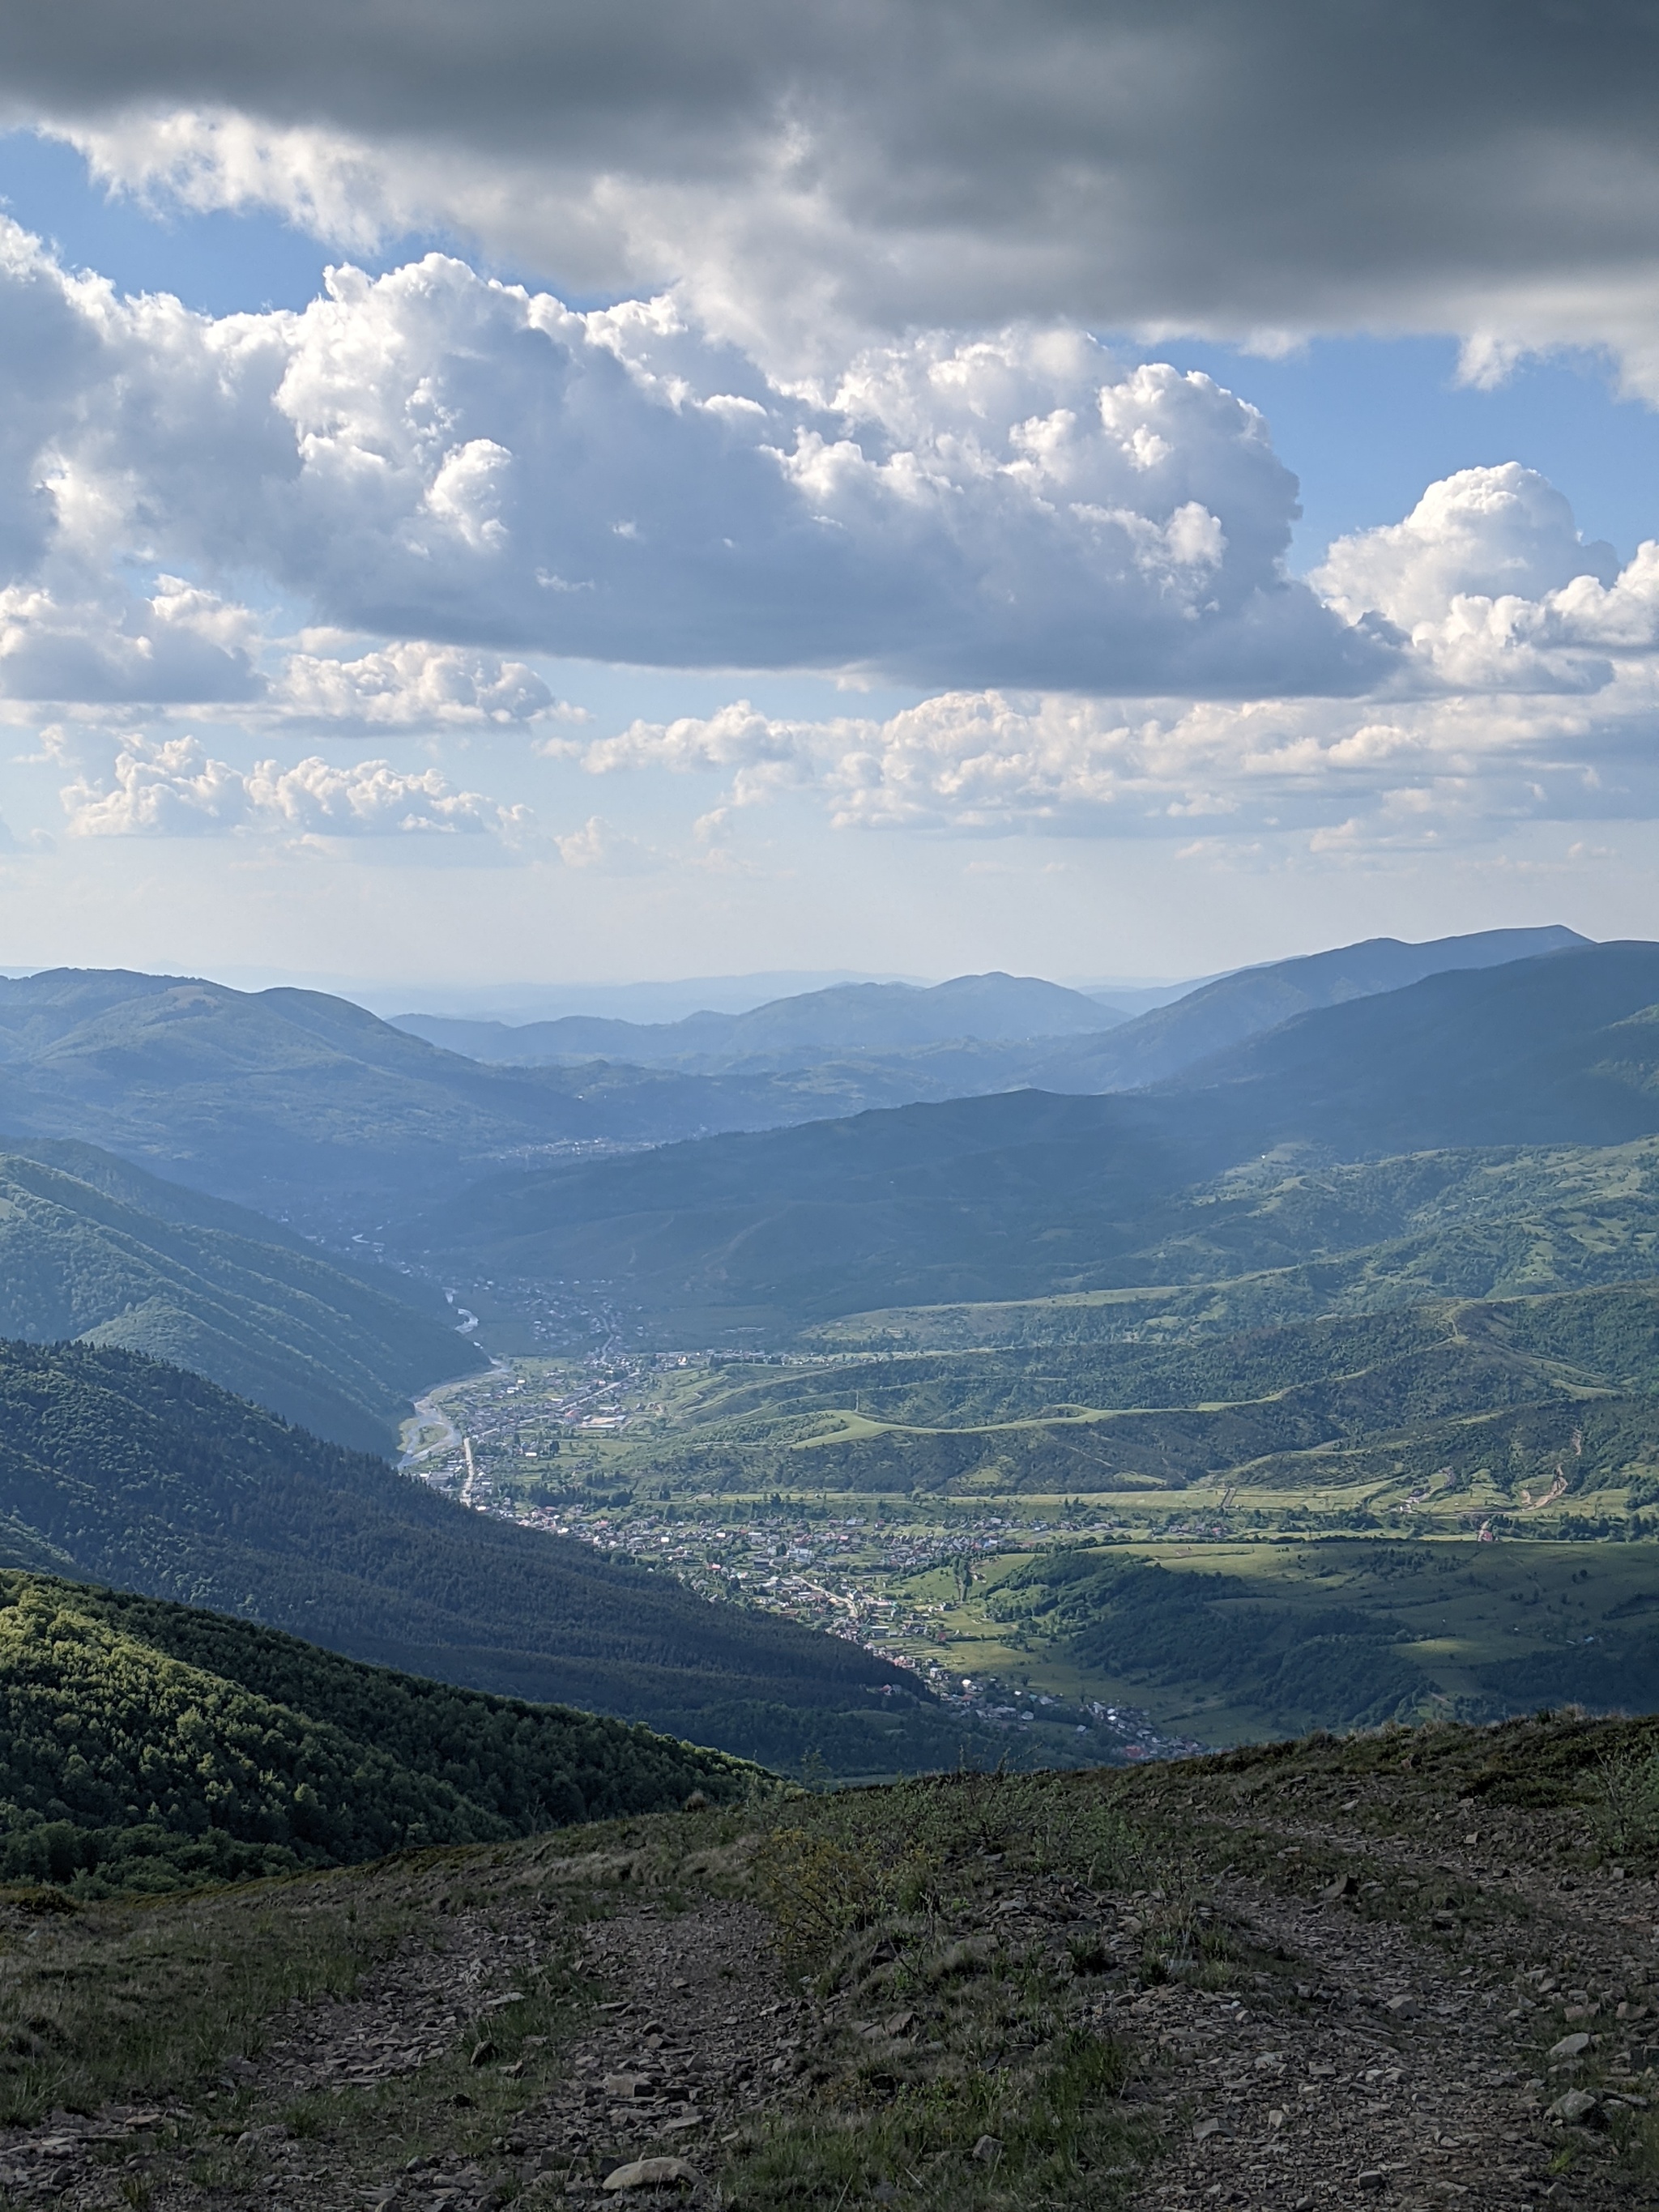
(829, 1106)
(1143, 1569)
(1394, 1587)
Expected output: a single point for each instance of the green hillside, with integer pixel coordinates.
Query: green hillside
(121, 1470)
(148, 1745)
(1275, 1243)
(269, 1319)
(1487, 1393)
(1169, 1039)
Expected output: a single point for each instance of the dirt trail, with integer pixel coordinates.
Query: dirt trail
(541, 2022)
(1413, 2066)
(692, 2032)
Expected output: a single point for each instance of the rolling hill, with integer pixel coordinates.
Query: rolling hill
(97, 1249)
(118, 1469)
(1459, 1391)
(150, 1746)
(305, 1107)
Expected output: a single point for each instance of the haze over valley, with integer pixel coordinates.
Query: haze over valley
(829, 1106)
(1356, 1244)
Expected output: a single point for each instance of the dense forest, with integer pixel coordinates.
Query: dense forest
(150, 1745)
(92, 1248)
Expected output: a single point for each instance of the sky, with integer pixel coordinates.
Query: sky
(496, 496)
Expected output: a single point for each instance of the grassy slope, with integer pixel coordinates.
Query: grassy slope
(1238, 1641)
(1269, 1244)
(1259, 1979)
(1495, 1391)
(1536, 1416)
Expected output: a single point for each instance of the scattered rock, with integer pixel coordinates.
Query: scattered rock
(1400, 2007)
(1577, 2109)
(988, 2150)
(1569, 2046)
(652, 2174)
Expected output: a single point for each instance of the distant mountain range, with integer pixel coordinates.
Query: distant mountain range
(307, 1107)
(301, 1105)
(1027, 1193)
(884, 1019)
(858, 1018)
(1170, 1039)
(93, 1247)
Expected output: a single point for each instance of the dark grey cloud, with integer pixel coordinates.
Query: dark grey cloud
(1217, 164)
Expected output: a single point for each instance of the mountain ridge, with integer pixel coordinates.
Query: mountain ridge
(200, 1283)
(994, 1007)
(995, 1195)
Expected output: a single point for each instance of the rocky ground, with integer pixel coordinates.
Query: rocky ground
(1316, 1981)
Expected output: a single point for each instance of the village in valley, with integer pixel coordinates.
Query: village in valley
(556, 1444)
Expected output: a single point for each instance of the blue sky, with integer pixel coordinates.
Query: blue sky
(774, 584)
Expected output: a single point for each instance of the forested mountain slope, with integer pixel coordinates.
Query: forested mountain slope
(1564, 1049)
(295, 1101)
(122, 1470)
(1163, 1042)
(187, 1279)
(150, 1745)
(305, 1105)
(1026, 1194)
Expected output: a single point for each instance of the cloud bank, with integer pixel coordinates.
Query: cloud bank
(1525, 686)
(802, 175)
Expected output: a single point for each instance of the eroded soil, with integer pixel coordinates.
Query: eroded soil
(1372, 2001)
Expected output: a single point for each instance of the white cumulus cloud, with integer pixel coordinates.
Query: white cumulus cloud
(1490, 581)
(413, 685)
(170, 787)
(430, 455)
